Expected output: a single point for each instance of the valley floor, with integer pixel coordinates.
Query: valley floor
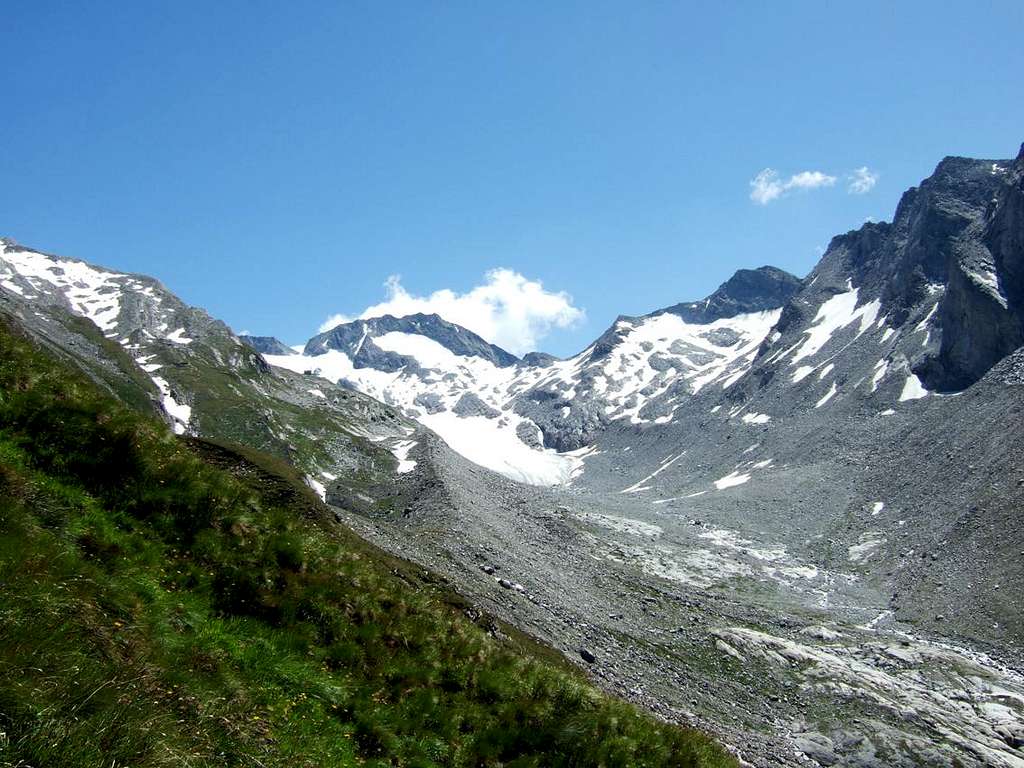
(706, 623)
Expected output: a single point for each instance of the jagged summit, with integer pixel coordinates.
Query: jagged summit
(513, 414)
(953, 247)
(538, 359)
(748, 290)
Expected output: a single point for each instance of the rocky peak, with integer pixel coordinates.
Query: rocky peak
(981, 314)
(266, 345)
(748, 290)
(538, 359)
(902, 261)
(950, 262)
(356, 340)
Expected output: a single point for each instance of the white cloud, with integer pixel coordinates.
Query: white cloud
(862, 181)
(768, 185)
(810, 180)
(507, 309)
(334, 320)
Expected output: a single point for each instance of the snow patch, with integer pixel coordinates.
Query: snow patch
(913, 389)
(701, 354)
(923, 325)
(730, 480)
(836, 313)
(401, 452)
(92, 293)
(317, 486)
(180, 413)
(481, 441)
(802, 373)
(178, 337)
(987, 279)
(880, 368)
(827, 396)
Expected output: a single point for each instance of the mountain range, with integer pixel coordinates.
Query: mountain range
(788, 513)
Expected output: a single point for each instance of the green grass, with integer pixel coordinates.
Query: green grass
(174, 602)
(113, 366)
(233, 403)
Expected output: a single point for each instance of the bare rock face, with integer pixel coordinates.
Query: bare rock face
(982, 312)
(954, 244)
(471, 405)
(561, 430)
(749, 290)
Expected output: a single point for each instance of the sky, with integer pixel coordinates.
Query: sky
(532, 170)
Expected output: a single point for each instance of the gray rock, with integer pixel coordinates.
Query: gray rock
(429, 402)
(528, 433)
(470, 404)
(267, 345)
(818, 747)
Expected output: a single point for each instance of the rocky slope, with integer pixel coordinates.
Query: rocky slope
(152, 350)
(848, 459)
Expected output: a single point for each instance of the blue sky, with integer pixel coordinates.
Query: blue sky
(275, 163)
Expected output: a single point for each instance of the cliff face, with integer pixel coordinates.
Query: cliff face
(958, 237)
(980, 315)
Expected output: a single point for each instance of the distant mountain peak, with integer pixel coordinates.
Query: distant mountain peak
(266, 345)
(355, 339)
(748, 290)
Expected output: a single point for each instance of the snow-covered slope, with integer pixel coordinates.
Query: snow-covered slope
(641, 371)
(464, 398)
(531, 420)
(151, 349)
(135, 311)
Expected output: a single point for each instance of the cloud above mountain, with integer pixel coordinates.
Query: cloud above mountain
(862, 181)
(507, 309)
(769, 185)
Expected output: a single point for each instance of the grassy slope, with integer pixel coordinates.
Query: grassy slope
(165, 602)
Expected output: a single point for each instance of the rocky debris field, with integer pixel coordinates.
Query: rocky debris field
(789, 662)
